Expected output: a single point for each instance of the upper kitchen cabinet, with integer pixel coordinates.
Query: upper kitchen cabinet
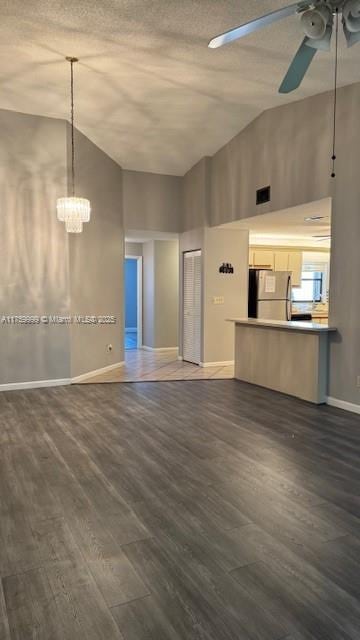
(278, 260)
(281, 261)
(262, 259)
(295, 262)
(289, 261)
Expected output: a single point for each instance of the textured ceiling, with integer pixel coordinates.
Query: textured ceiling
(149, 91)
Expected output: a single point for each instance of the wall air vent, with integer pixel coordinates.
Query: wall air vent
(263, 195)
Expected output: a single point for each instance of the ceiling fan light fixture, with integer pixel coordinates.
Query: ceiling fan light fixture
(322, 44)
(351, 16)
(316, 21)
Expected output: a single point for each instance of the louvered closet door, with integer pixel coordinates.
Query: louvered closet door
(192, 307)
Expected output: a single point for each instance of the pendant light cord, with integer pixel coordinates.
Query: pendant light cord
(333, 157)
(72, 129)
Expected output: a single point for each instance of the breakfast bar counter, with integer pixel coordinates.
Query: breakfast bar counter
(291, 357)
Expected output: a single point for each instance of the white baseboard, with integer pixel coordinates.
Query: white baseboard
(35, 384)
(145, 348)
(226, 363)
(342, 404)
(130, 329)
(96, 372)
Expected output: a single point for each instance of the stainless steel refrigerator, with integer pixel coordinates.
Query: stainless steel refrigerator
(269, 294)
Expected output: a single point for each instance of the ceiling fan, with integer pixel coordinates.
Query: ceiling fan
(317, 19)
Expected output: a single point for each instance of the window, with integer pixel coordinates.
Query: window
(311, 288)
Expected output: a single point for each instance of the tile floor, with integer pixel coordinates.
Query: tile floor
(130, 340)
(152, 366)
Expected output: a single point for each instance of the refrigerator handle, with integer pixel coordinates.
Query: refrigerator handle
(288, 299)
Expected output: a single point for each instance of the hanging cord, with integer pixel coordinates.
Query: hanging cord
(72, 129)
(333, 157)
(72, 60)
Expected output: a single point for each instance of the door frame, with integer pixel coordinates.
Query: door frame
(139, 274)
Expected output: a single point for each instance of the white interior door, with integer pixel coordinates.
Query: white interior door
(192, 307)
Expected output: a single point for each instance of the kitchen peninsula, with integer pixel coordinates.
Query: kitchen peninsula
(290, 357)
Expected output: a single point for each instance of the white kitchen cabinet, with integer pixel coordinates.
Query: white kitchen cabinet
(290, 261)
(264, 259)
(278, 260)
(295, 263)
(281, 260)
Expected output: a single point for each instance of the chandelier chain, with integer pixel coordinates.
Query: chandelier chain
(72, 128)
(333, 157)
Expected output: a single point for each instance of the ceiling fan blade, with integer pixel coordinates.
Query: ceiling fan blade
(324, 43)
(351, 37)
(254, 25)
(298, 68)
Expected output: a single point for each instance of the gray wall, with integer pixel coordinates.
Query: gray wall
(288, 148)
(152, 202)
(47, 271)
(224, 246)
(96, 261)
(196, 196)
(33, 247)
(160, 293)
(345, 253)
(148, 329)
(166, 293)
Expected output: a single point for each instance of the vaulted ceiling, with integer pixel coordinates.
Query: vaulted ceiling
(149, 91)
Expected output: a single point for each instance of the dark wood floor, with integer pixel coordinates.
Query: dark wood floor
(207, 510)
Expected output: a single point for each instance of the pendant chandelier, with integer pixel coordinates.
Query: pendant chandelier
(72, 210)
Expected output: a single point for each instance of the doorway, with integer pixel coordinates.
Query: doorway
(133, 302)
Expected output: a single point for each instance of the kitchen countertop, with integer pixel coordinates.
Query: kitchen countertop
(313, 327)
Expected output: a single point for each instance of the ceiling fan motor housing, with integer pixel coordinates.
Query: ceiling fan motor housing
(315, 21)
(351, 15)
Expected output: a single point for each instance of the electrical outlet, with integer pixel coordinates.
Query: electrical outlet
(109, 347)
(358, 382)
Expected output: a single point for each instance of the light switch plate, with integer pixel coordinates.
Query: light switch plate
(218, 300)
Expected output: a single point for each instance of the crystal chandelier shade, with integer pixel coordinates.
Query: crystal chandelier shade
(73, 226)
(72, 210)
